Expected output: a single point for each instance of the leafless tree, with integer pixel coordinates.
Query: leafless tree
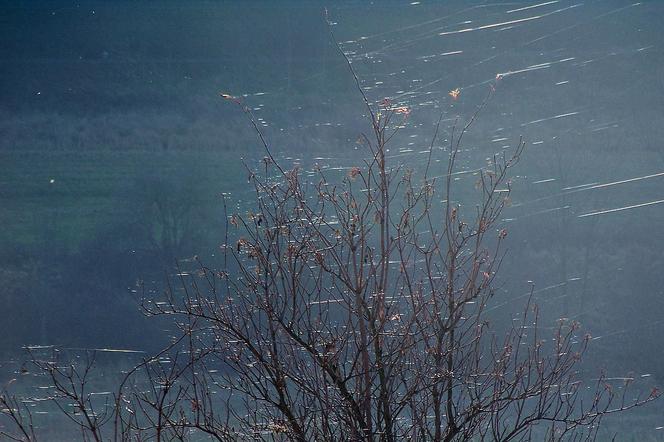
(356, 309)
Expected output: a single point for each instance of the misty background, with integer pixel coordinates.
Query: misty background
(116, 149)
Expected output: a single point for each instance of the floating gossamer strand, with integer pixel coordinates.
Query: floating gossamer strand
(620, 209)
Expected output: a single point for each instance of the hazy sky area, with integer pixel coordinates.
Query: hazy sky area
(116, 148)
